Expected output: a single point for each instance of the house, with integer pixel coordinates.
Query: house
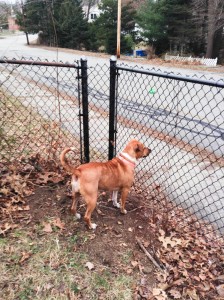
(91, 9)
(12, 21)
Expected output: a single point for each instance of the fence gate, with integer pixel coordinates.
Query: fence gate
(43, 108)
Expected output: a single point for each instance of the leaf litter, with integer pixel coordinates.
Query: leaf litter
(189, 250)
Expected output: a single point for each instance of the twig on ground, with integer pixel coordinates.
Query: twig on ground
(136, 208)
(104, 206)
(149, 255)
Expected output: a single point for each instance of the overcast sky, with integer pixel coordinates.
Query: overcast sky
(10, 1)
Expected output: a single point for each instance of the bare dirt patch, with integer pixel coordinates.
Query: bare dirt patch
(111, 248)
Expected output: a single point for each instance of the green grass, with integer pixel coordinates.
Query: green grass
(53, 269)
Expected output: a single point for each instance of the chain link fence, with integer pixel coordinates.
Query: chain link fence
(39, 109)
(180, 118)
(98, 98)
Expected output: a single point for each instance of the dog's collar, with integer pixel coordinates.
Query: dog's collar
(127, 159)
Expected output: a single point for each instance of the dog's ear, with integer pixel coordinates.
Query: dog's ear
(137, 147)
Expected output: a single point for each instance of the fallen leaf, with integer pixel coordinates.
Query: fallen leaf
(204, 286)
(134, 263)
(47, 227)
(220, 278)
(6, 227)
(92, 236)
(172, 242)
(156, 292)
(176, 294)
(159, 294)
(26, 208)
(49, 177)
(57, 222)
(5, 191)
(202, 276)
(192, 294)
(146, 244)
(220, 290)
(25, 256)
(162, 277)
(89, 265)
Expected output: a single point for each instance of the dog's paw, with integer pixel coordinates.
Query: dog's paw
(123, 211)
(117, 205)
(93, 226)
(78, 216)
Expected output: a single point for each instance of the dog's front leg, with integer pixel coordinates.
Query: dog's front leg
(124, 194)
(114, 199)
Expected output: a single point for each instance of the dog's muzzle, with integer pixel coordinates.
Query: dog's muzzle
(146, 152)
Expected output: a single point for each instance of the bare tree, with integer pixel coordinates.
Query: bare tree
(210, 17)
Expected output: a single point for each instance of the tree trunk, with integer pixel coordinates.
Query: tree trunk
(211, 28)
(210, 43)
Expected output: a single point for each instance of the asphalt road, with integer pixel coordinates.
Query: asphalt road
(191, 112)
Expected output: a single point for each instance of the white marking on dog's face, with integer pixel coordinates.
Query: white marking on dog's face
(75, 185)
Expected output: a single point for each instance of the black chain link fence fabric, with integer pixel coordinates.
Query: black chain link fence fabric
(181, 120)
(183, 124)
(98, 97)
(39, 108)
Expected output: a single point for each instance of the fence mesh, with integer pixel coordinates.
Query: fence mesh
(182, 122)
(39, 108)
(98, 92)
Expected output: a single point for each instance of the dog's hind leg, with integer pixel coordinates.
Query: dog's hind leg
(74, 206)
(124, 194)
(75, 189)
(114, 199)
(91, 204)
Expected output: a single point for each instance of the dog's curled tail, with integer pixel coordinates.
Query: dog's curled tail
(64, 160)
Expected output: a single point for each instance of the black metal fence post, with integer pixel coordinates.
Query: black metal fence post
(85, 108)
(112, 107)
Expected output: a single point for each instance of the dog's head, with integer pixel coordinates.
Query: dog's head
(136, 149)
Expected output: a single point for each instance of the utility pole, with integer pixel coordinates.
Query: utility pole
(24, 22)
(118, 28)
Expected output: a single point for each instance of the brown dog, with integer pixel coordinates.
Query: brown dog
(114, 175)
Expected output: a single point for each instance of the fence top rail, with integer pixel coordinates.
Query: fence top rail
(39, 63)
(218, 83)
